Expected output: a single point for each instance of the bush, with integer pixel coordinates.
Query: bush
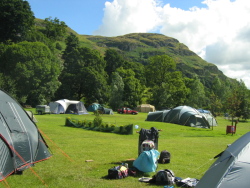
(98, 125)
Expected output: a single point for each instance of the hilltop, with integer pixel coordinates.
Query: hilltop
(138, 47)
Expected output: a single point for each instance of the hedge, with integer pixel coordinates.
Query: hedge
(98, 125)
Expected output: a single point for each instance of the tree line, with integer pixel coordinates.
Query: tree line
(42, 61)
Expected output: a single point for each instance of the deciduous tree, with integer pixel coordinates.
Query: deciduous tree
(33, 70)
(168, 86)
(16, 19)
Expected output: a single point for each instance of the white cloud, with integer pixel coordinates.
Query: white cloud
(128, 16)
(219, 33)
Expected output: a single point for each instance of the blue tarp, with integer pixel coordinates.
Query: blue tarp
(147, 161)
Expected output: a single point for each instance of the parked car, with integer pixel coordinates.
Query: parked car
(42, 109)
(125, 110)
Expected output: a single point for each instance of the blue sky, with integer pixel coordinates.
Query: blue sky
(216, 30)
(85, 16)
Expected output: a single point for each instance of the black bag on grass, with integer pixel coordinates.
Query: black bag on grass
(164, 157)
(164, 177)
(118, 172)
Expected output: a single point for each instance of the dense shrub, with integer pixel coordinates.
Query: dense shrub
(98, 125)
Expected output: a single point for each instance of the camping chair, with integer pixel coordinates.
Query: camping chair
(148, 139)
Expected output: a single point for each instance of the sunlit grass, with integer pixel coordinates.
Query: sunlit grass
(192, 151)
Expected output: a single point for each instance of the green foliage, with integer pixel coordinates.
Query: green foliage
(168, 86)
(238, 101)
(133, 89)
(113, 60)
(98, 120)
(16, 20)
(33, 70)
(54, 28)
(83, 74)
(196, 96)
(117, 90)
(152, 68)
(98, 125)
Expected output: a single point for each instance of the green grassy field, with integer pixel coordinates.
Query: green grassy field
(192, 151)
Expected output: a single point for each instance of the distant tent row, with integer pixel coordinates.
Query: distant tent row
(183, 115)
(145, 108)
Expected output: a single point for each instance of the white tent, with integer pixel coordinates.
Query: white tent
(65, 106)
(232, 168)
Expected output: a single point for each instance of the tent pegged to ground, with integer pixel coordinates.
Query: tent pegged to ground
(97, 107)
(182, 115)
(93, 107)
(232, 168)
(158, 116)
(32, 116)
(21, 144)
(65, 106)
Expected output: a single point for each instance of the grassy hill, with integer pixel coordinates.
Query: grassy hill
(138, 47)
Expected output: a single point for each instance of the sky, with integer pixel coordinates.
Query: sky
(216, 30)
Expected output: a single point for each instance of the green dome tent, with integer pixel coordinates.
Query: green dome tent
(21, 143)
(186, 115)
(232, 168)
(97, 107)
(182, 115)
(93, 107)
(157, 116)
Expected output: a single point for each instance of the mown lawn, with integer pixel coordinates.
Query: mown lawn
(192, 151)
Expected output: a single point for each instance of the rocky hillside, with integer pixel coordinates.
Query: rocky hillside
(138, 47)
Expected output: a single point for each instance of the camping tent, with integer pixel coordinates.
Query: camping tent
(65, 106)
(204, 111)
(93, 107)
(210, 118)
(97, 107)
(186, 115)
(157, 116)
(21, 144)
(182, 115)
(103, 110)
(145, 108)
(232, 168)
(32, 117)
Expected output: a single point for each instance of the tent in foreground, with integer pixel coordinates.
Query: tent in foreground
(21, 144)
(232, 168)
(65, 106)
